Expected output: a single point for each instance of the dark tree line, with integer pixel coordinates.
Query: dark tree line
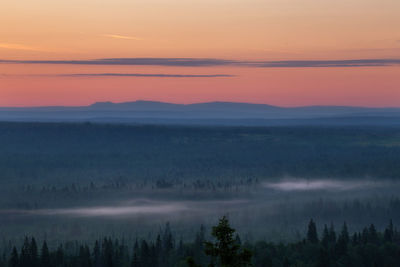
(325, 248)
(368, 247)
(51, 152)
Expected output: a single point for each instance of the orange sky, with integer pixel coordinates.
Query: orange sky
(256, 30)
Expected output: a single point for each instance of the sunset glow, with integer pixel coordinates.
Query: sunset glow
(39, 37)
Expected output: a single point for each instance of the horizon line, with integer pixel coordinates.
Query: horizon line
(194, 103)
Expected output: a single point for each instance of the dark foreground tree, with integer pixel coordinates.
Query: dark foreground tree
(226, 251)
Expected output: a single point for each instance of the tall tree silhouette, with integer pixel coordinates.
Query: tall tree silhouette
(45, 256)
(226, 251)
(14, 259)
(312, 235)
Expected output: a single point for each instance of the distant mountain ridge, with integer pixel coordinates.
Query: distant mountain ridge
(135, 105)
(162, 112)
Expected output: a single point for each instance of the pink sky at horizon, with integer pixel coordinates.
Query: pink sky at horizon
(261, 30)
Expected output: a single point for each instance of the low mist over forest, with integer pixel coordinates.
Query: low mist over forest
(82, 180)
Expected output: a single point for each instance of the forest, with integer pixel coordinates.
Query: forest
(332, 247)
(87, 194)
(66, 153)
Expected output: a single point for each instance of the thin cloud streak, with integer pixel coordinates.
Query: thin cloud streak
(214, 62)
(144, 75)
(124, 37)
(328, 63)
(14, 46)
(177, 62)
(153, 75)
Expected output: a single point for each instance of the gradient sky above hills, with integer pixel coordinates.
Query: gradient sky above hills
(300, 31)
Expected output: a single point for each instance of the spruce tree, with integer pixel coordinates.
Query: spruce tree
(45, 256)
(135, 259)
(332, 234)
(33, 253)
(145, 254)
(344, 234)
(325, 237)
(389, 232)
(25, 259)
(343, 241)
(373, 235)
(312, 235)
(96, 254)
(14, 259)
(225, 251)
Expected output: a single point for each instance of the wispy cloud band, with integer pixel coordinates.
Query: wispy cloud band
(148, 75)
(181, 62)
(327, 63)
(124, 37)
(159, 75)
(214, 62)
(14, 46)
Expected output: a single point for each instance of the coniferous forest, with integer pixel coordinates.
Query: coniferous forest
(330, 247)
(84, 194)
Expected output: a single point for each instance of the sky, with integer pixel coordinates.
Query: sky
(278, 52)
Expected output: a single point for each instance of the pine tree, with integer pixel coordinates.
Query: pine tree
(389, 232)
(365, 235)
(25, 259)
(14, 259)
(153, 257)
(144, 254)
(33, 253)
(96, 254)
(325, 237)
(198, 248)
(135, 258)
(312, 235)
(225, 250)
(373, 235)
(168, 245)
(159, 249)
(180, 250)
(343, 241)
(200, 238)
(168, 242)
(344, 234)
(45, 256)
(107, 253)
(84, 256)
(332, 234)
